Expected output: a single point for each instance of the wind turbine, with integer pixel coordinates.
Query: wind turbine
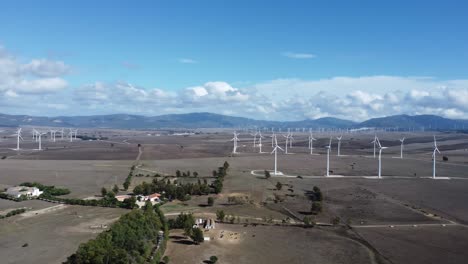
(402, 140)
(380, 157)
(275, 150)
(328, 157)
(273, 136)
(52, 135)
(255, 139)
(70, 134)
(375, 142)
(39, 135)
(260, 142)
(436, 149)
(18, 137)
(61, 134)
(286, 144)
(311, 143)
(339, 144)
(235, 139)
(290, 140)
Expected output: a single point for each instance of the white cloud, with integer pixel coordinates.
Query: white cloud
(294, 55)
(187, 61)
(46, 68)
(39, 76)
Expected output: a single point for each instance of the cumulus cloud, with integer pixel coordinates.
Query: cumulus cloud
(45, 68)
(294, 55)
(39, 76)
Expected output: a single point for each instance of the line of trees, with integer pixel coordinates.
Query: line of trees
(183, 191)
(47, 189)
(132, 239)
(128, 180)
(13, 212)
(108, 200)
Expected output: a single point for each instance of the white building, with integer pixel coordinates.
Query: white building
(18, 191)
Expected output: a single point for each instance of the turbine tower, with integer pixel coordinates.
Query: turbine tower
(273, 136)
(436, 149)
(328, 156)
(260, 142)
(311, 143)
(275, 150)
(235, 139)
(339, 144)
(380, 157)
(402, 140)
(290, 140)
(286, 144)
(39, 135)
(255, 139)
(375, 143)
(70, 134)
(18, 137)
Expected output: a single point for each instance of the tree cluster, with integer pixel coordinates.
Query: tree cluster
(132, 239)
(47, 189)
(13, 212)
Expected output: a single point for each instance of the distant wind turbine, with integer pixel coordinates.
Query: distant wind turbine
(275, 150)
(402, 140)
(436, 149)
(328, 156)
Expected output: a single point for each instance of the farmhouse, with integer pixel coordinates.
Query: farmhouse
(18, 191)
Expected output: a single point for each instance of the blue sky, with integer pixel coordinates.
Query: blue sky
(161, 49)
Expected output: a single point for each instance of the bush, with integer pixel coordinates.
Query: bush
(445, 158)
(267, 174)
(220, 215)
(197, 235)
(210, 201)
(166, 260)
(316, 207)
(279, 185)
(213, 259)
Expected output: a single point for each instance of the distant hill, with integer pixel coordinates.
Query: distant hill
(210, 120)
(429, 122)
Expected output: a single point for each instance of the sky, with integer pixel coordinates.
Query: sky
(290, 60)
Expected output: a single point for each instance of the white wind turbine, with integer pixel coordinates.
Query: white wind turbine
(436, 149)
(380, 157)
(311, 143)
(290, 140)
(260, 142)
(275, 150)
(70, 135)
(18, 137)
(273, 136)
(61, 134)
(255, 139)
(375, 143)
(39, 135)
(76, 133)
(328, 157)
(339, 144)
(286, 143)
(52, 135)
(402, 140)
(235, 139)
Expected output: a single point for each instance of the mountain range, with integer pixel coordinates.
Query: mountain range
(210, 120)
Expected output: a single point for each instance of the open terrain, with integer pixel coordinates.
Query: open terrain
(403, 208)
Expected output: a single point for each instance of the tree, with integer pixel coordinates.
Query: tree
(115, 189)
(213, 259)
(166, 260)
(126, 184)
(267, 174)
(308, 221)
(103, 191)
(210, 201)
(178, 174)
(318, 193)
(279, 186)
(195, 174)
(226, 165)
(197, 235)
(335, 220)
(220, 215)
(316, 207)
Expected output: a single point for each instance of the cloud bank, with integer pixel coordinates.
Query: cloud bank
(39, 87)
